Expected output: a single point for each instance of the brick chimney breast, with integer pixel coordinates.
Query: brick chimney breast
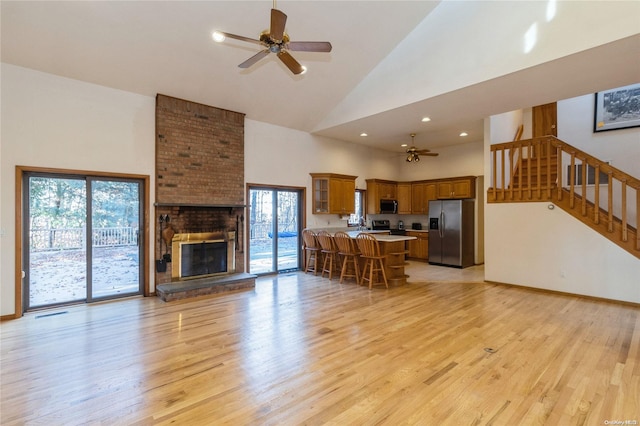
(199, 169)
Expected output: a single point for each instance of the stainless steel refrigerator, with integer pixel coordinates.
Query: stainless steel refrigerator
(451, 232)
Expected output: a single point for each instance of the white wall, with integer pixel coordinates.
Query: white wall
(457, 160)
(575, 126)
(470, 42)
(529, 244)
(49, 121)
(280, 156)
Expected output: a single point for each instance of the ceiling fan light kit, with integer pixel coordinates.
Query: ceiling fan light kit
(413, 154)
(276, 40)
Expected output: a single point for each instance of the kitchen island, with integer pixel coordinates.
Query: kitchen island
(393, 247)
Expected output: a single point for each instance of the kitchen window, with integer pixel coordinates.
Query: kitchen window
(354, 218)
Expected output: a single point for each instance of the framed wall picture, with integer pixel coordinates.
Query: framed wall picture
(617, 108)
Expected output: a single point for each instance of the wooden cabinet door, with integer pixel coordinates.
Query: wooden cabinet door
(333, 193)
(320, 195)
(419, 248)
(463, 188)
(423, 247)
(335, 196)
(430, 193)
(417, 198)
(404, 198)
(342, 196)
(387, 191)
(421, 194)
(412, 245)
(349, 196)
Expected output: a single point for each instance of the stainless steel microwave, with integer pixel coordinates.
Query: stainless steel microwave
(388, 206)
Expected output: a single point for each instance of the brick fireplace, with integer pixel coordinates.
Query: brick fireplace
(199, 178)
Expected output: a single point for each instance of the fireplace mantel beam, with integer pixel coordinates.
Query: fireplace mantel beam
(229, 207)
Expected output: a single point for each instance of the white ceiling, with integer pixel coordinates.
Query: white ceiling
(150, 47)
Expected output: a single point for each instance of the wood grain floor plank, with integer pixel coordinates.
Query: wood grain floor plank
(301, 349)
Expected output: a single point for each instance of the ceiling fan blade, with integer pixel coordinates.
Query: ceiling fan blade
(430, 154)
(290, 62)
(255, 58)
(309, 46)
(278, 22)
(237, 37)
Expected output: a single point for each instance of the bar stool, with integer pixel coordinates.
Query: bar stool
(311, 251)
(374, 261)
(329, 251)
(350, 254)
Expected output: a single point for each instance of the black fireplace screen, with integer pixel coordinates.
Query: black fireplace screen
(203, 258)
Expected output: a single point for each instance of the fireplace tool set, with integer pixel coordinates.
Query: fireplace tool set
(166, 235)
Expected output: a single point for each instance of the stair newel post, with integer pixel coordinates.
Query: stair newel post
(610, 202)
(584, 186)
(596, 196)
(623, 196)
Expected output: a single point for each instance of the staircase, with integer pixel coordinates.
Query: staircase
(548, 169)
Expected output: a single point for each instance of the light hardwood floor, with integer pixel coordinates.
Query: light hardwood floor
(305, 350)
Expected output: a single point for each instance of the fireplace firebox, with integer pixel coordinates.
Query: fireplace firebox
(202, 258)
(202, 254)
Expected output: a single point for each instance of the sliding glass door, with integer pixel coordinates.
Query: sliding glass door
(274, 229)
(115, 248)
(83, 237)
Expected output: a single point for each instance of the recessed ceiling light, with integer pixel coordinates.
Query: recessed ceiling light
(425, 119)
(403, 145)
(464, 134)
(363, 134)
(218, 36)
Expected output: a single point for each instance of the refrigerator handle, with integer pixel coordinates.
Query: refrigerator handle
(441, 227)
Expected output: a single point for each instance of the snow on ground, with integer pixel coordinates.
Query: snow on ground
(61, 276)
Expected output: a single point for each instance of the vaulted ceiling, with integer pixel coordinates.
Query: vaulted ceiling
(392, 62)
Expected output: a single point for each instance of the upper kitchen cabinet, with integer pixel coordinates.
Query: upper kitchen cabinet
(421, 194)
(333, 193)
(460, 187)
(378, 189)
(404, 197)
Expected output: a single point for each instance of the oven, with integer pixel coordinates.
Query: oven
(385, 225)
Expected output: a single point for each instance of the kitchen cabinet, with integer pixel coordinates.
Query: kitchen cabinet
(404, 198)
(464, 187)
(421, 194)
(333, 193)
(378, 189)
(419, 248)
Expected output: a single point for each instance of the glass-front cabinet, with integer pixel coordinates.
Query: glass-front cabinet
(333, 193)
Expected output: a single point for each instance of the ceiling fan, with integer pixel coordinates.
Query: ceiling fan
(413, 154)
(276, 40)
